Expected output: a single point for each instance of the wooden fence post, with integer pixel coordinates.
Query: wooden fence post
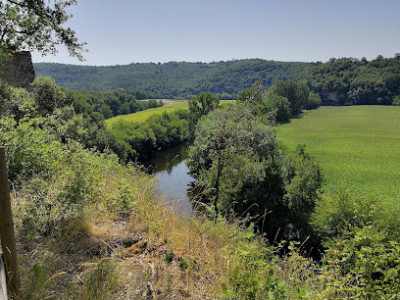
(7, 235)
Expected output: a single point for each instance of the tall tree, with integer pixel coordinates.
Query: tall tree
(200, 106)
(296, 94)
(37, 25)
(232, 155)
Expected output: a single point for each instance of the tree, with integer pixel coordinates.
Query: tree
(279, 106)
(251, 95)
(37, 25)
(314, 101)
(303, 181)
(241, 171)
(295, 93)
(201, 105)
(234, 158)
(47, 95)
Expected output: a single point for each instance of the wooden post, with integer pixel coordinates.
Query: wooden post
(7, 235)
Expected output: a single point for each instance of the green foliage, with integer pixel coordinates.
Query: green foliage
(279, 106)
(368, 263)
(353, 81)
(178, 80)
(356, 146)
(296, 93)
(169, 256)
(347, 80)
(201, 105)
(240, 170)
(253, 276)
(396, 101)
(251, 95)
(5, 95)
(157, 132)
(183, 265)
(112, 103)
(140, 117)
(47, 95)
(313, 101)
(344, 209)
(303, 182)
(37, 25)
(42, 277)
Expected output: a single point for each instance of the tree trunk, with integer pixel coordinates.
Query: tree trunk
(219, 171)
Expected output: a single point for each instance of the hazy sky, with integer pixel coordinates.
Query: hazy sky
(127, 31)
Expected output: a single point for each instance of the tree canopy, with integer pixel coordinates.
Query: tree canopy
(37, 25)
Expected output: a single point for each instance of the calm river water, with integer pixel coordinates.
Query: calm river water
(172, 173)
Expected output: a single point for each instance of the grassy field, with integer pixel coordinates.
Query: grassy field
(141, 116)
(358, 147)
(170, 106)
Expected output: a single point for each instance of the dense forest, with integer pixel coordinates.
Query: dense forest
(175, 79)
(343, 81)
(349, 81)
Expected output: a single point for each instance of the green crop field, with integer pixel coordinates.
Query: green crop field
(170, 106)
(357, 147)
(141, 116)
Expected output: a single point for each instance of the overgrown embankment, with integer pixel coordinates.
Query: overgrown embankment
(91, 228)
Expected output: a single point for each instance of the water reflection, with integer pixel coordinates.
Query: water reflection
(172, 173)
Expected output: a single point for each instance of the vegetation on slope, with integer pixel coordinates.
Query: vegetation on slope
(352, 81)
(339, 81)
(90, 228)
(175, 79)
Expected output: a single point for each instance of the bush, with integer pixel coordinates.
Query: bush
(313, 101)
(48, 96)
(368, 262)
(396, 101)
(279, 106)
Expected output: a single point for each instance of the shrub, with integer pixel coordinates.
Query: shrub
(313, 101)
(367, 261)
(396, 101)
(169, 256)
(280, 106)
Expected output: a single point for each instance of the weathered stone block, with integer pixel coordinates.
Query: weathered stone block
(19, 71)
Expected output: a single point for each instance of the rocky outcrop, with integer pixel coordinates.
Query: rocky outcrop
(19, 71)
(329, 99)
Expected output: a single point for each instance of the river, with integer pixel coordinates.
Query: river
(172, 173)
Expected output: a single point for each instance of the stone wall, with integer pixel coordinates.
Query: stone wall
(19, 71)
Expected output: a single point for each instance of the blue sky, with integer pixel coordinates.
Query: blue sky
(127, 31)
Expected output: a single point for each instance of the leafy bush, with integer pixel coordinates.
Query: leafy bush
(368, 262)
(253, 276)
(169, 256)
(313, 101)
(280, 106)
(47, 95)
(396, 101)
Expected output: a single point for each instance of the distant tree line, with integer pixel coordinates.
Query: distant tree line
(173, 79)
(344, 81)
(351, 81)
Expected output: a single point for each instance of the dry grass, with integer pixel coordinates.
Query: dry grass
(102, 246)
